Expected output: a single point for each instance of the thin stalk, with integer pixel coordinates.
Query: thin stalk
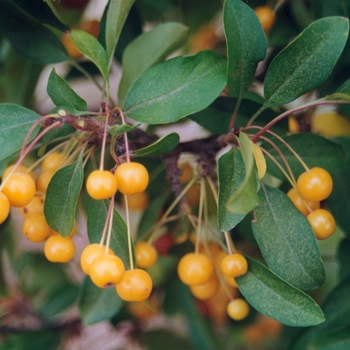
(129, 233)
(110, 208)
(234, 114)
(281, 155)
(110, 225)
(200, 214)
(319, 102)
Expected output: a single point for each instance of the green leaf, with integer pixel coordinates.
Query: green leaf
(97, 304)
(117, 130)
(59, 300)
(246, 45)
(179, 298)
(277, 299)
(287, 241)
(231, 174)
(62, 197)
(335, 341)
(97, 213)
(245, 199)
(176, 88)
(62, 94)
(15, 122)
(306, 62)
(153, 46)
(339, 200)
(29, 38)
(41, 12)
(336, 310)
(18, 79)
(151, 215)
(92, 49)
(117, 13)
(315, 150)
(344, 259)
(164, 145)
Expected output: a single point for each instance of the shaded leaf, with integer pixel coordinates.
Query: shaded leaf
(97, 213)
(246, 45)
(176, 88)
(306, 62)
(29, 38)
(245, 199)
(153, 46)
(92, 49)
(277, 299)
(62, 197)
(339, 200)
(307, 146)
(163, 145)
(287, 241)
(97, 304)
(15, 122)
(117, 13)
(42, 12)
(62, 94)
(231, 174)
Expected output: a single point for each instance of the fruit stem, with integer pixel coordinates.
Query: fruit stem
(319, 102)
(110, 208)
(25, 152)
(281, 155)
(200, 214)
(110, 224)
(127, 150)
(104, 140)
(234, 114)
(279, 166)
(165, 219)
(229, 244)
(129, 232)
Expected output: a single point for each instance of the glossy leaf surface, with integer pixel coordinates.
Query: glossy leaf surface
(153, 46)
(176, 88)
(277, 299)
(62, 197)
(306, 62)
(243, 32)
(15, 122)
(62, 94)
(287, 241)
(164, 145)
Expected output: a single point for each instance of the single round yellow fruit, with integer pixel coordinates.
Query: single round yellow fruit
(330, 124)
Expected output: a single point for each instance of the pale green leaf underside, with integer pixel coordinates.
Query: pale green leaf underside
(245, 199)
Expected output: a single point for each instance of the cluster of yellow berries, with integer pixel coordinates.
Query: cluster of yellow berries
(21, 190)
(208, 271)
(312, 187)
